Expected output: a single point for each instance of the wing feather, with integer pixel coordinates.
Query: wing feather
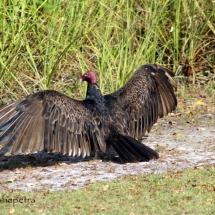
(52, 122)
(146, 96)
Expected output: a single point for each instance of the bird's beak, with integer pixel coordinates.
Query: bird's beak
(81, 80)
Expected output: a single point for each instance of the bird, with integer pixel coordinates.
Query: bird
(55, 123)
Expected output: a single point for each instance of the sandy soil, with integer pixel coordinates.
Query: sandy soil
(183, 140)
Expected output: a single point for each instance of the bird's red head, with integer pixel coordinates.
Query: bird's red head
(89, 77)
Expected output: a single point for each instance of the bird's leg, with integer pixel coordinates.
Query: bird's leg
(96, 155)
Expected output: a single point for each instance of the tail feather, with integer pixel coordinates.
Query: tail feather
(131, 150)
(124, 154)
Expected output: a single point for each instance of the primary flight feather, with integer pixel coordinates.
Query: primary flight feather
(51, 121)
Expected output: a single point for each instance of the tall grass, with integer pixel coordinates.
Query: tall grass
(49, 44)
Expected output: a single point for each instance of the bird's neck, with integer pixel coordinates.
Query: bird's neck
(94, 93)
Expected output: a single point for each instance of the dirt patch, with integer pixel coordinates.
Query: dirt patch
(180, 144)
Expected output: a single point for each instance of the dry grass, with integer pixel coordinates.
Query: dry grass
(48, 45)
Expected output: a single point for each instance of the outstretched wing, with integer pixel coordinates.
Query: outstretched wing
(146, 96)
(50, 121)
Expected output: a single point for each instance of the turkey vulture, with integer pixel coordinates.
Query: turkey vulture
(51, 121)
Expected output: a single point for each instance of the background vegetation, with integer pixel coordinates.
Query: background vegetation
(49, 44)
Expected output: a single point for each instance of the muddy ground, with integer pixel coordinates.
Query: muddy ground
(184, 139)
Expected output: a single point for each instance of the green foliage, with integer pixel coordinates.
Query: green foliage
(49, 44)
(188, 192)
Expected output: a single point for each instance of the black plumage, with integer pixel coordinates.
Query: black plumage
(53, 122)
